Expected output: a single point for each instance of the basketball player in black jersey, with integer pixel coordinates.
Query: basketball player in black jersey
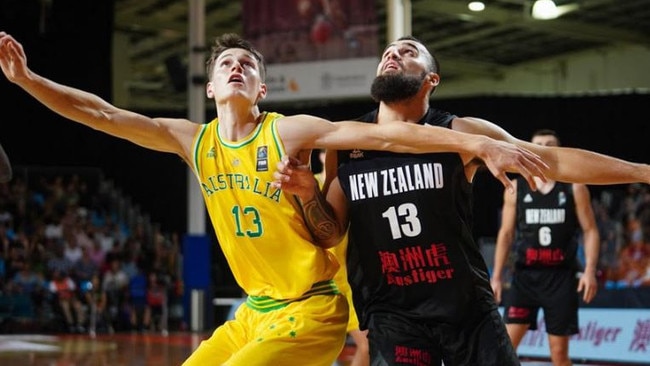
(544, 225)
(420, 285)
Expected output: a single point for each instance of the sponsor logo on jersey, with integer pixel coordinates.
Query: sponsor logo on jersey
(528, 198)
(518, 313)
(416, 264)
(561, 198)
(356, 154)
(212, 153)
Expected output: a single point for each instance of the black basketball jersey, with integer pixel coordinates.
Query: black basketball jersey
(547, 227)
(411, 248)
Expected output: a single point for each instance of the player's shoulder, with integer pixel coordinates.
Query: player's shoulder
(292, 119)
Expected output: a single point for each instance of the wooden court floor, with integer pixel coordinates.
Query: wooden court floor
(120, 349)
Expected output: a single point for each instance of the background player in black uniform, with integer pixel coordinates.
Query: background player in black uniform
(546, 225)
(420, 285)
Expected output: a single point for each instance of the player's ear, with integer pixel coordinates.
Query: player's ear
(261, 94)
(434, 79)
(208, 90)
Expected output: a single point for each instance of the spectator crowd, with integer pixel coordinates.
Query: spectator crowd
(69, 264)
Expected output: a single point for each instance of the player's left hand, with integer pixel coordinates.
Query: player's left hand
(501, 157)
(588, 285)
(13, 60)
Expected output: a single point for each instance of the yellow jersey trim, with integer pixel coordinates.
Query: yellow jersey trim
(266, 304)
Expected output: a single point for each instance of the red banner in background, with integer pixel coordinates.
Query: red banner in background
(315, 49)
(288, 31)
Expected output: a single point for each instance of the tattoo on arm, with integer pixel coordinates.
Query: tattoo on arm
(320, 219)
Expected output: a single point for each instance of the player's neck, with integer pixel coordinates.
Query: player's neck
(544, 187)
(237, 121)
(409, 110)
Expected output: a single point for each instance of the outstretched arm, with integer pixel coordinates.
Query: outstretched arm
(162, 134)
(566, 164)
(303, 132)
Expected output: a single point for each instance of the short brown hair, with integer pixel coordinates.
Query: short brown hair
(232, 40)
(546, 132)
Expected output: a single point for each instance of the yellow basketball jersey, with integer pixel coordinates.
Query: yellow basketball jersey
(260, 229)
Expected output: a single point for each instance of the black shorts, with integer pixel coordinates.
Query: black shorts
(482, 340)
(555, 291)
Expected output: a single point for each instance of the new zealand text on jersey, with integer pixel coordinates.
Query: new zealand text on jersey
(396, 180)
(545, 215)
(240, 181)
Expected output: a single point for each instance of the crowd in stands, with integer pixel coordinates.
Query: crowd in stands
(67, 263)
(623, 218)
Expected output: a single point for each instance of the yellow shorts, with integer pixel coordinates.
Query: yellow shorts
(306, 332)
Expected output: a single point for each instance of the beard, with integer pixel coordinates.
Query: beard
(391, 88)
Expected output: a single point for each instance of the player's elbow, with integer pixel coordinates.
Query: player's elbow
(329, 238)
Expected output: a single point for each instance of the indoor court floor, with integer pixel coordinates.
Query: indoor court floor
(122, 349)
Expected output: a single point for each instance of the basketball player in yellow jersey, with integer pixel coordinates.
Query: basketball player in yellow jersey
(276, 263)
(294, 314)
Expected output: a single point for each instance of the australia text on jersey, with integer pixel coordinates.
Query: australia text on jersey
(239, 181)
(396, 180)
